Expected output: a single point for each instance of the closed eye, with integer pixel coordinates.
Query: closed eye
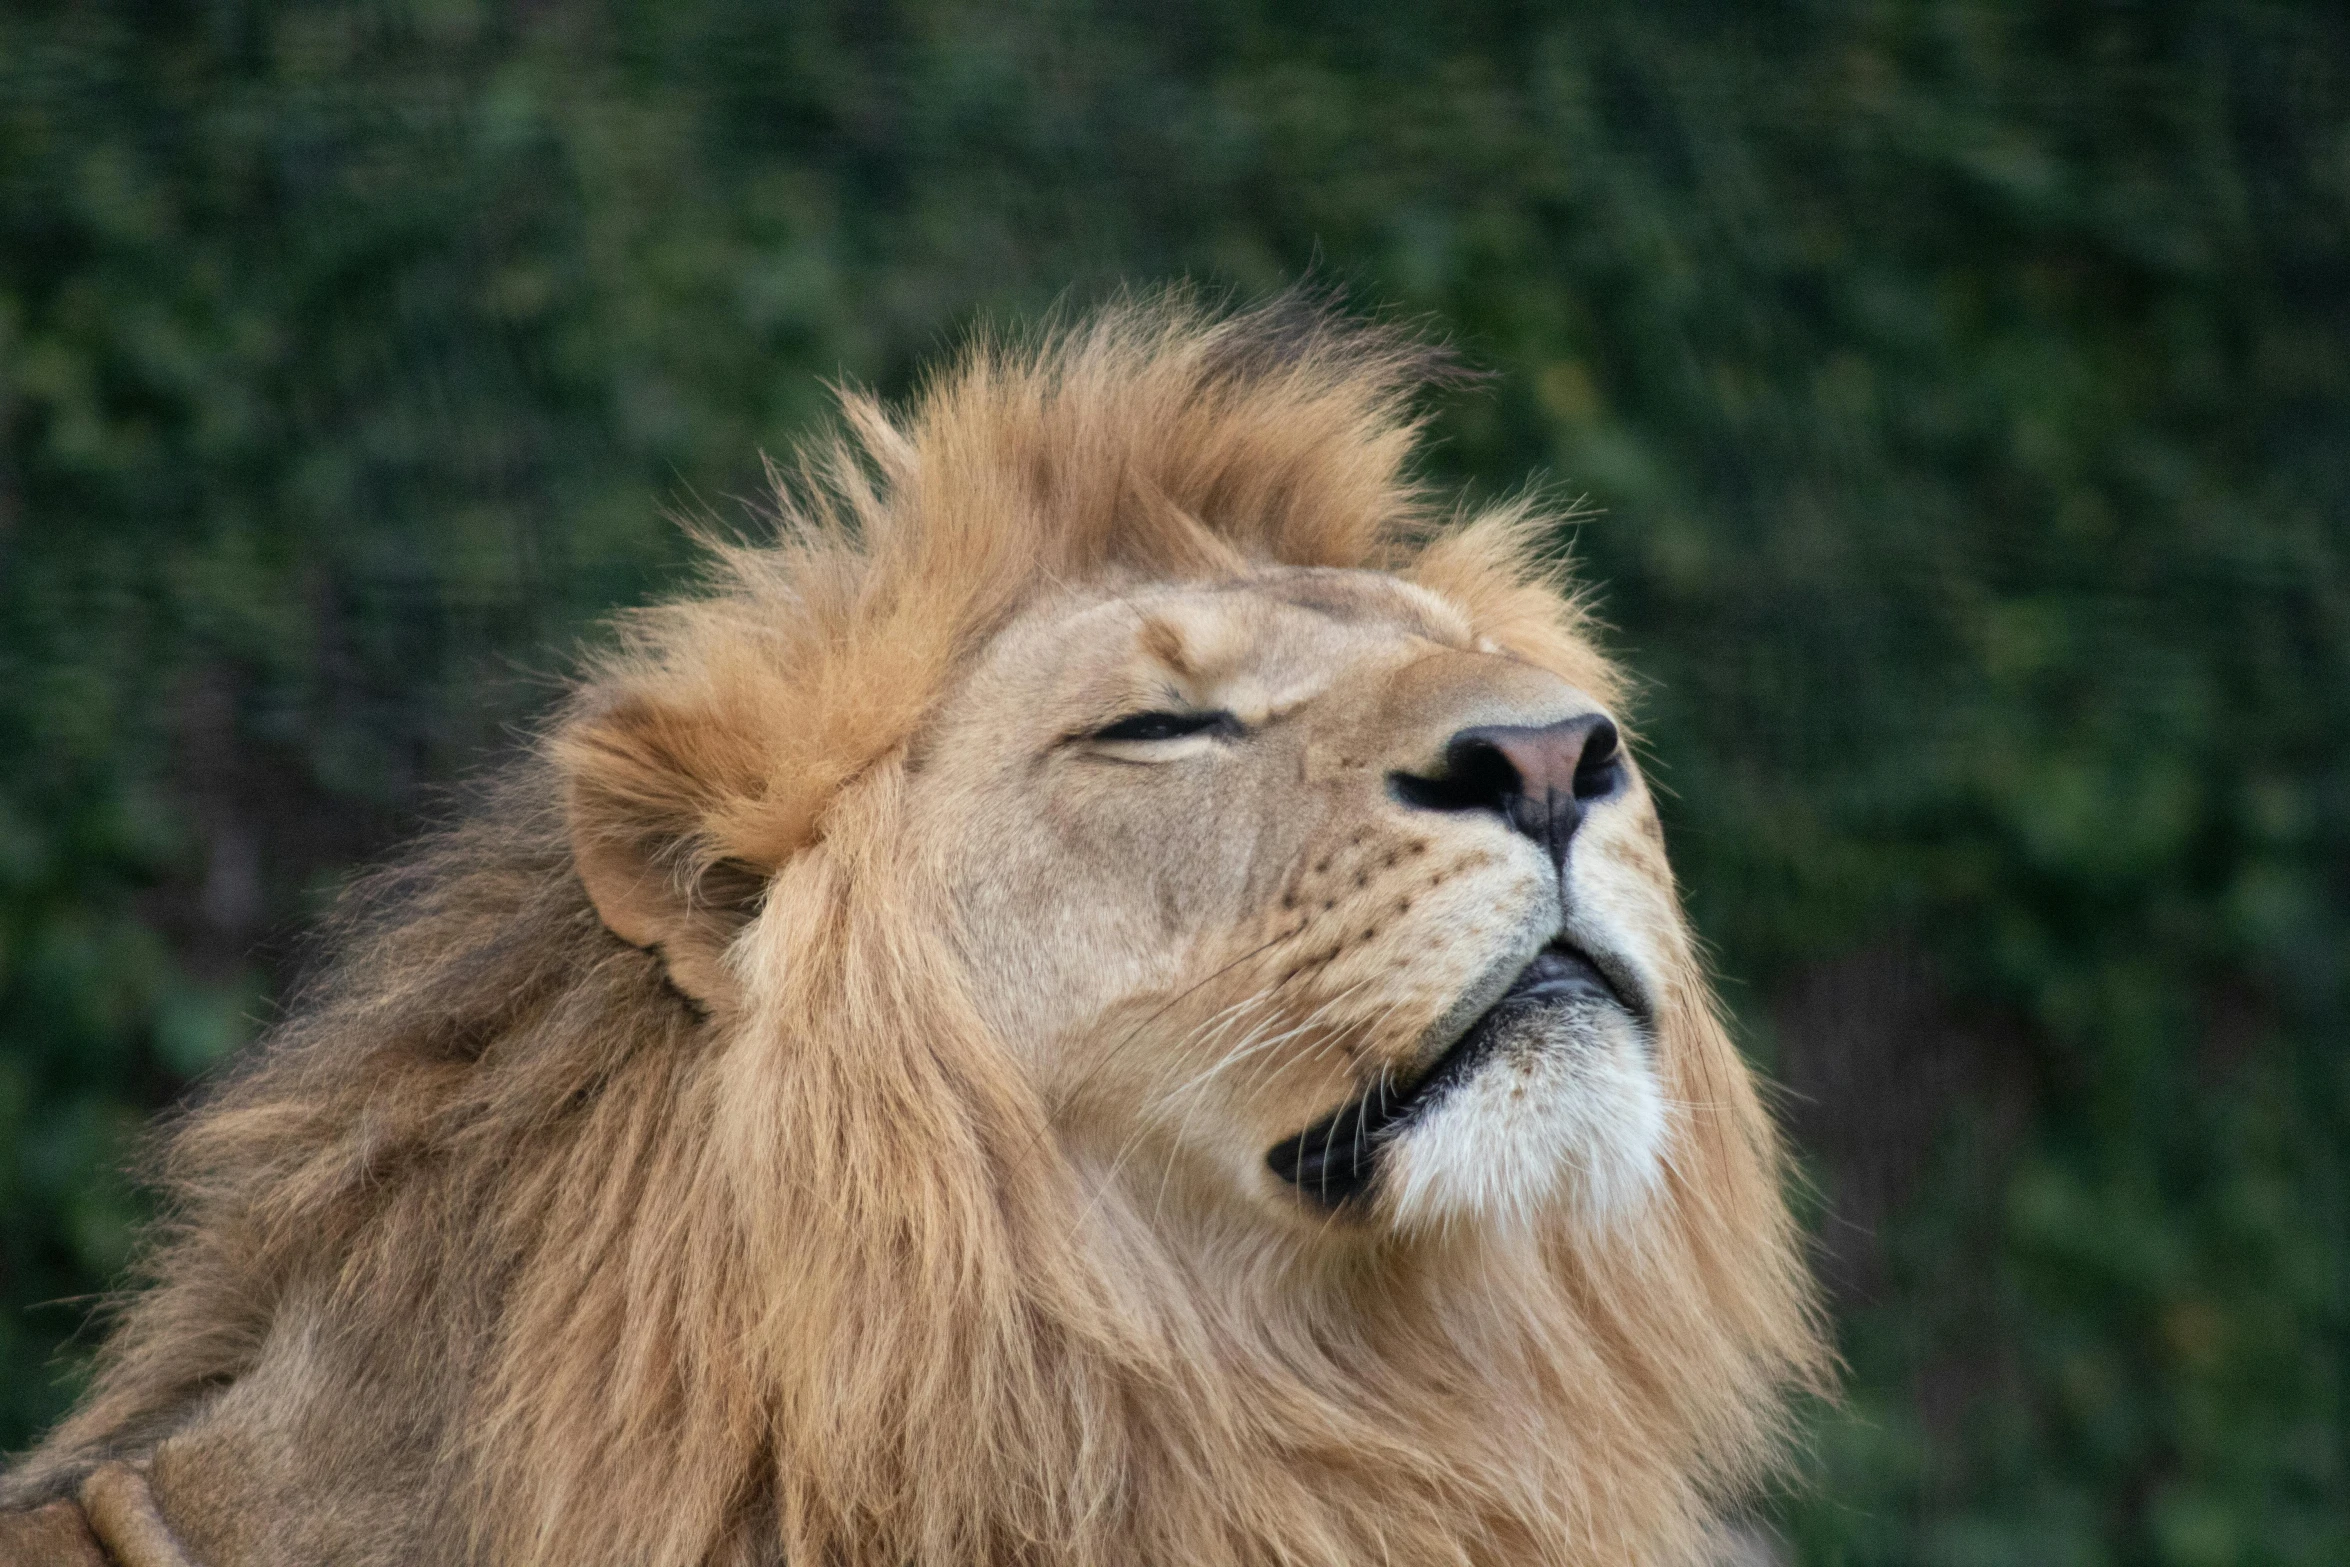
(1168, 726)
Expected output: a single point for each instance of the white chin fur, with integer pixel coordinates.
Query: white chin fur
(1568, 1115)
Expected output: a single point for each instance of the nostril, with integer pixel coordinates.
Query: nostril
(1599, 771)
(1476, 775)
(1481, 773)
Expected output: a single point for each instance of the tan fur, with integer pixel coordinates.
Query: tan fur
(786, 1122)
(55, 1534)
(123, 1515)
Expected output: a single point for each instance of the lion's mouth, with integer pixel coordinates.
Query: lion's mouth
(1334, 1160)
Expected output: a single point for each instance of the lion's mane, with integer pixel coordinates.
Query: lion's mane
(605, 1277)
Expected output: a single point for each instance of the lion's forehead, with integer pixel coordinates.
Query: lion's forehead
(1257, 645)
(1360, 596)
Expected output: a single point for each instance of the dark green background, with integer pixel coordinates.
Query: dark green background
(1964, 387)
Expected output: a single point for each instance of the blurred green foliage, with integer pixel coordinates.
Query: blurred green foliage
(1964, 386)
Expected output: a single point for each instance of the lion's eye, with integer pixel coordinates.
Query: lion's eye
(1168, 726)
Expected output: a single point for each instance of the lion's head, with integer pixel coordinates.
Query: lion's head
(1311, 903)
(1113, 995)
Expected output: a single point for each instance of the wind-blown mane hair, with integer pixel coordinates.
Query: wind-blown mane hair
(599, 1273)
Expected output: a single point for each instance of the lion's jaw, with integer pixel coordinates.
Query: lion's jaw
(1246, 968)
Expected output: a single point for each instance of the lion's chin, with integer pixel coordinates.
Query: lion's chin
(1549, 1100)
(1567, 1115)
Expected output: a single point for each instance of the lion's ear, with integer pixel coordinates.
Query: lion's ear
(644, 787)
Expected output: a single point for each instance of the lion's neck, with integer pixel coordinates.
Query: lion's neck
(1351, 1394)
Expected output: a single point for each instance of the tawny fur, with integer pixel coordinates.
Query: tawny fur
(519, 1243)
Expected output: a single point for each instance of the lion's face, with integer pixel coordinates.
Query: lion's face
(1294, 891)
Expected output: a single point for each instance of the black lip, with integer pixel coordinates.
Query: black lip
(1334, 1160)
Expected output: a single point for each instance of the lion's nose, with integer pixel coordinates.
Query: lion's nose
(1538, 778)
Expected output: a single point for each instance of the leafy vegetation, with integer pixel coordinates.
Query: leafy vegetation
(1963, 385)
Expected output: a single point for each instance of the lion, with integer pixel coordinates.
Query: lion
(1110, 994)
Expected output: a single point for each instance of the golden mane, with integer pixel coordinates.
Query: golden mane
(622, 1288)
